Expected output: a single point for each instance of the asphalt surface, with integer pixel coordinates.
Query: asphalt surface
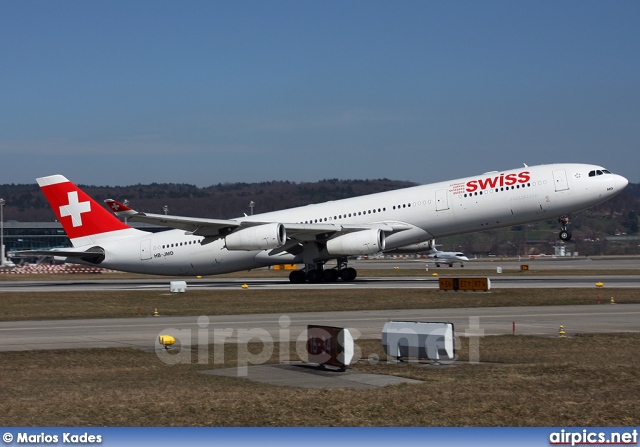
(426, 282)
(143, 332)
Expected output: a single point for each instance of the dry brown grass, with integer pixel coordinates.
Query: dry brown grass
(588, 380)
(116, 304)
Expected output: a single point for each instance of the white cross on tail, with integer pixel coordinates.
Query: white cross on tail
(75, 208)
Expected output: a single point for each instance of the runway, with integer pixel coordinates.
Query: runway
(143, 332)
(408, 282)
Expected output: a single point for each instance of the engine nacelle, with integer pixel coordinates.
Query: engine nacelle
(414, 248)
(366, 242)
(262, 237)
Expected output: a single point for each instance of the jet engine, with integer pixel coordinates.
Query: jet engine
(262, 237)
(365, 242)
(419, 247)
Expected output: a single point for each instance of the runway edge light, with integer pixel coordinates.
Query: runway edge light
(166, 340)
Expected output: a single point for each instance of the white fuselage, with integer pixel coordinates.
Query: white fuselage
(478, 203)
(447, 257)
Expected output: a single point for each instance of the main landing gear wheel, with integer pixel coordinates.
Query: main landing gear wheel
(297, 277)
(330, 275)
(314, 276)
(348, 274)
(318, 275)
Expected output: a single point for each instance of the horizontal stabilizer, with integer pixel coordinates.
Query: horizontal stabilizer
(94, 255)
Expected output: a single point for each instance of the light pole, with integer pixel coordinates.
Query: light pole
(125, 203)
(2, 202)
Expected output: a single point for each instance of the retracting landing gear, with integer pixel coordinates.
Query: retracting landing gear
(565, 235)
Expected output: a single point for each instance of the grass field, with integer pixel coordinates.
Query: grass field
(16, 306)
(585, 380)
(589, 380)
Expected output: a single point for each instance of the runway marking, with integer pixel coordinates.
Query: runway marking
(317, 316)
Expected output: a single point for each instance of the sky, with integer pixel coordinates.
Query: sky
(207, 92)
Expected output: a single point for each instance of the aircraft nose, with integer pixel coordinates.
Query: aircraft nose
(621, 182)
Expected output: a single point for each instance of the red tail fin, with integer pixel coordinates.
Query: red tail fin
(79, 214)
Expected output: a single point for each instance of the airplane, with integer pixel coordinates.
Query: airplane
(404, 220)
(447, 257)
(7, 263)
(440, 257)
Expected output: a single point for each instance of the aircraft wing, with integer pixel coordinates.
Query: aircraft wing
(316, 232)
(197, 226)
(221, 227)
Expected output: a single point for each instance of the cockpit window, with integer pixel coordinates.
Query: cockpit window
(598, 172)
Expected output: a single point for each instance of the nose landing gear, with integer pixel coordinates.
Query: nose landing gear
(564, 235)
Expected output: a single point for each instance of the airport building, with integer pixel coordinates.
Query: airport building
(46, 235)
